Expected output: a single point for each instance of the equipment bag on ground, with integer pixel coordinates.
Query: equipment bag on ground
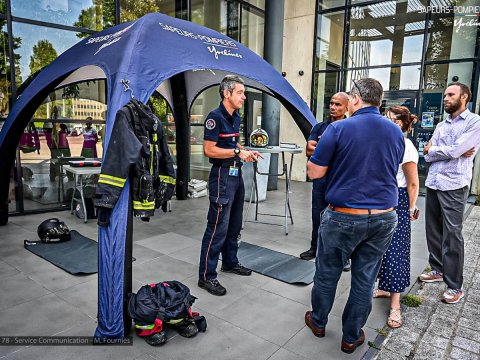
(166, 303)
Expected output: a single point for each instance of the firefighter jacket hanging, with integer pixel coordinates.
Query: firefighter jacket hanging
(138, 149)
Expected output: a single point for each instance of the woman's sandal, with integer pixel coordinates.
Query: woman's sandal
(395, 318)
(377, 293)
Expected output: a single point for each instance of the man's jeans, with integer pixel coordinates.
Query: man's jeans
(362, 238)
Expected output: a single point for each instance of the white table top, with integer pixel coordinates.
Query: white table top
(83, 170)
(276, 149)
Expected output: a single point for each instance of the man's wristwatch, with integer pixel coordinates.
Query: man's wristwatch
(236, 151)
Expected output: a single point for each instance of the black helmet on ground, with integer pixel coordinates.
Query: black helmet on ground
(53, 230)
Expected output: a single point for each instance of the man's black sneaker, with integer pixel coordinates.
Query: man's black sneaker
(238, 269)
(347, 266)
(309, 254)
(212, 286)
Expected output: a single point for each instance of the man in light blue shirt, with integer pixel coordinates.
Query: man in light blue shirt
(450, 153)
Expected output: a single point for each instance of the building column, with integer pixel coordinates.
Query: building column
(273, 52)
(182, 131)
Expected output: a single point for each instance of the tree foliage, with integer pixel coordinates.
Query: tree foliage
(42, 54)
(159, 106)
(97, 17)
(5, 74)
(132, 10)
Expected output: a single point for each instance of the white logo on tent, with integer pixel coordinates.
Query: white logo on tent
(214, 43)
(110, 39)
(224, 52)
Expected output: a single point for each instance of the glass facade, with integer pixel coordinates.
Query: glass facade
(242, 21)
(5, 70)
(39, 46)
(386, 33)
(56, 131)
(88, 14)
(453, 35)
(41, 31)
(415, 48)
(329, 43)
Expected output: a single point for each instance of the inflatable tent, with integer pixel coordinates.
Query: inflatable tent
(177, 58)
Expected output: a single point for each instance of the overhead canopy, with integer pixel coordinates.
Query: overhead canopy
(177, 58)
(153, 49)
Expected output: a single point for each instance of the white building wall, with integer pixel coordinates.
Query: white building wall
(476, 176)
(298, 40)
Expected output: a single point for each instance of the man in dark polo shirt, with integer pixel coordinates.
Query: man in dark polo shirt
(360, 157)
(225, 186)
(338, 107)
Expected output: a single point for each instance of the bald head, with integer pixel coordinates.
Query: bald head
(338, 106)
(341, 95)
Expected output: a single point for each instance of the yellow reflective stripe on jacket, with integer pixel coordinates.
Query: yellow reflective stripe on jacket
(112, 180)
(110, 183)
(145, 327)
(137, 205)
(167, 179)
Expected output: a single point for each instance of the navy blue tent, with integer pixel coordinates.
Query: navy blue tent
(179, 59)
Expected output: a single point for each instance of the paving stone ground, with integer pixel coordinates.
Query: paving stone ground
(435, 330)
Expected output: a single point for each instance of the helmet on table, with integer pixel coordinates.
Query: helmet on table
(53, 230)
(259, 138)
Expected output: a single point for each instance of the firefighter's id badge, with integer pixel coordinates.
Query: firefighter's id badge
(233, 171)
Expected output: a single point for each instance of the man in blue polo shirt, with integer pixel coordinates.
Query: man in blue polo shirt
(360, 157)
(225, 186)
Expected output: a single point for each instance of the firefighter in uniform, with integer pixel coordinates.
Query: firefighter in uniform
(225, 185)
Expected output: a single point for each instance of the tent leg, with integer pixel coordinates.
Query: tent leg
(127, 268)
(3, 213)
(5, 178)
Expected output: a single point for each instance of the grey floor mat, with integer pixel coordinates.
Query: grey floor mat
(277, 265)
(77, 256)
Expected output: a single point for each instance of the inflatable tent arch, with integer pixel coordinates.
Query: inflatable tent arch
(156, 52)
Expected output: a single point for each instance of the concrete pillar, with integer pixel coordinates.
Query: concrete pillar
(273, 52)
(298, 37)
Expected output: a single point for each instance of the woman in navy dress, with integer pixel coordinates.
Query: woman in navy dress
(394, 275)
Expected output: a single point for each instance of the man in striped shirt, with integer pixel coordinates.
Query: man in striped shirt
(450, 153)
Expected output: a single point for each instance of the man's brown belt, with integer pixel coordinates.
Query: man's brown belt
(358, 211)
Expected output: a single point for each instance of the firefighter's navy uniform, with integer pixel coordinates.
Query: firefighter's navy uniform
(226, 191)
